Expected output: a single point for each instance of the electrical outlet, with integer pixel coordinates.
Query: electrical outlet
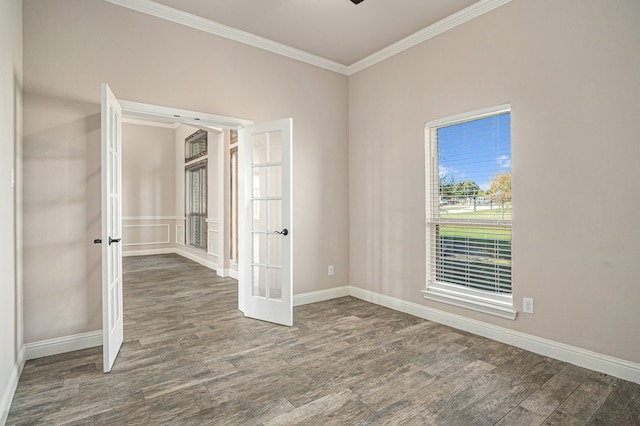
(330, 270)
(527, 305)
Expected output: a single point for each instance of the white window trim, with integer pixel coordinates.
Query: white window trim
(201, 163)
(500, 305)
(496, 304)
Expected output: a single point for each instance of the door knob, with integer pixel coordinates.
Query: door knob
(283, 232)
(114, 240)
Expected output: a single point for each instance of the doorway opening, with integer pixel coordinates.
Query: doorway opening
(264, 211)
(197, 225)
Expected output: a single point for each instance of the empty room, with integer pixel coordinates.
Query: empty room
(319, 212)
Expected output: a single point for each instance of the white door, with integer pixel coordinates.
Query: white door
(112, 322)
(265, 285)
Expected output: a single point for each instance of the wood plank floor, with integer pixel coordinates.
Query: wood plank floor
(191, 358)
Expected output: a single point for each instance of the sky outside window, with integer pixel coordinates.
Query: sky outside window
(476, 150)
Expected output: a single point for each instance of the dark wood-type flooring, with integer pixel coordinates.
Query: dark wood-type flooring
(191, 358)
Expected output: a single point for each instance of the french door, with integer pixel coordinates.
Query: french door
(112, 320)
(265, 286)
(265, 289)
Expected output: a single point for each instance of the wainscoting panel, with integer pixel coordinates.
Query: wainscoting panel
(146, 234)
(212, 242)
(180, 232)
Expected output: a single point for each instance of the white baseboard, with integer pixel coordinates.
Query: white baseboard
(184, 253)
(191, 256)
(616, 367)
(149, 252)
(11, 386)
(63, 344)
(233, 273)
(320, 296)
(224, 273)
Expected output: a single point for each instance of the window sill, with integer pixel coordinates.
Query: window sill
(459, 296)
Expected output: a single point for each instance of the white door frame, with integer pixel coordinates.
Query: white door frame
(182, 116)
(209, 122)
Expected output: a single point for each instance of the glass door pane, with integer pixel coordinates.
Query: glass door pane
(267, 215)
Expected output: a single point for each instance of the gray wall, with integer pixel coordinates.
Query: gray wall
(570, 71)
(568, 68)
(148, 188)
(148, 171)
(71, 47)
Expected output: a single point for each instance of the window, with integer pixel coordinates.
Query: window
(469, 211)
(195, 145)
(196, 180)
(233, 167)
(196, 190)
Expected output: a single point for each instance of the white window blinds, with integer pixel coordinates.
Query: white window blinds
(197, 205)
(469, 211)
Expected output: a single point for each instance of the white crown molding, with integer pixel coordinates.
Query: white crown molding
(179, 17)
(451, 21)
(196, 22)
